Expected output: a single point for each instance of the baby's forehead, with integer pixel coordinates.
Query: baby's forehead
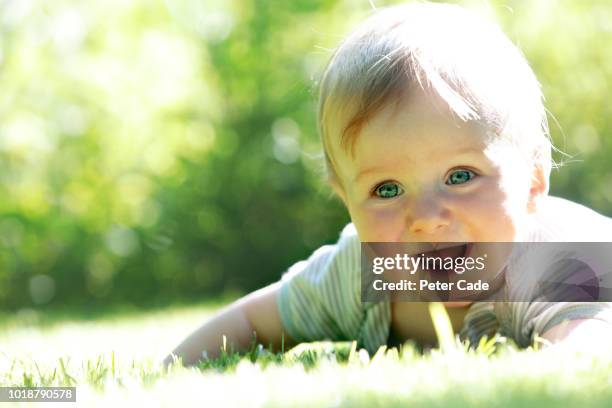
(417, 107)
(411, 105)
(421, 141)
(417, 121)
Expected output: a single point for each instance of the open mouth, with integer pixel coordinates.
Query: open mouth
(439, 259)
(441, 265)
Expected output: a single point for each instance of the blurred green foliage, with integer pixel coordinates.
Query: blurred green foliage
(155, 151)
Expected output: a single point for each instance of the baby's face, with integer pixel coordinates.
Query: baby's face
(420, 175)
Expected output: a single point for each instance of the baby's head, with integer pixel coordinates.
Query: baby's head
(433, 128)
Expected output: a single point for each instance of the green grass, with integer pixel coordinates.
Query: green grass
(114, 361)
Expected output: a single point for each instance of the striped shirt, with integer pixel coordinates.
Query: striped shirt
(320, 297)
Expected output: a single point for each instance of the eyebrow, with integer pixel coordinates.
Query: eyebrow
(376, 169)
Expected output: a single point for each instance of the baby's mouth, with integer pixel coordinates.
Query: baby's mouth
(452, 251)
(435, 268)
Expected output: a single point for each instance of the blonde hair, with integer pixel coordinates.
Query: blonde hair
(462, 57)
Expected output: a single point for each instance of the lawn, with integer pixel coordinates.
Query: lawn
(113, 360)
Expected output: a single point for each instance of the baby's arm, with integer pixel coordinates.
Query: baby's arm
(256, 312)
(584, 334)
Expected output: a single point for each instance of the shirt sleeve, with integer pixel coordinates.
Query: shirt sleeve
(320, 296)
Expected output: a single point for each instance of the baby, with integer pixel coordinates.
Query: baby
(434, 130)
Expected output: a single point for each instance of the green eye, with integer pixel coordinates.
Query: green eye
(388, 190)
(460, 177)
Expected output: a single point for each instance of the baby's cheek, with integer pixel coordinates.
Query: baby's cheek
(484, 213)
(378, 225)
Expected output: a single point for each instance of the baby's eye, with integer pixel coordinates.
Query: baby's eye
(460, 177)
(388, 190)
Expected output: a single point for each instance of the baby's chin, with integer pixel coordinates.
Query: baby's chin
(456, 304)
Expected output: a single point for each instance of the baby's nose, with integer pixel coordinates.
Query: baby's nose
(428, 226)
(427, 217)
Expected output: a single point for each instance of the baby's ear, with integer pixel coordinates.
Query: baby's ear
(538, 188)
